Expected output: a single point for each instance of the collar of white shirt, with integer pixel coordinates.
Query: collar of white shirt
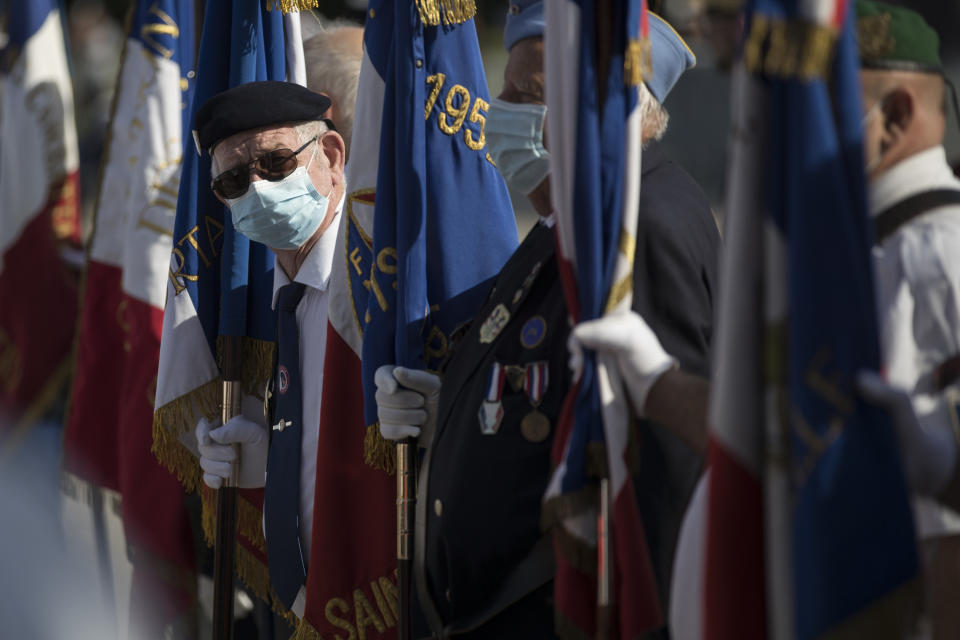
(315, 270)
(920, 172)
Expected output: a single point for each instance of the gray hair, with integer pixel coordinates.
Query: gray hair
(304, 130)
(333, 67)
(653, 116)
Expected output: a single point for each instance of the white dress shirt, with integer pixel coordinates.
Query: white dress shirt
(312, 326)
(918, 294)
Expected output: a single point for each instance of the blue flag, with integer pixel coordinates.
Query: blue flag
(230, 278)
(809, 510)
(853, 537)
(443, 222)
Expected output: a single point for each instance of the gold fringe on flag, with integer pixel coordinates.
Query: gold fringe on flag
(175, 419)
(248, 567)
(249, 519)
(255, 575)
(378, 452)
(291, 6)
(637, 61)
(449, 11)
(305, 631)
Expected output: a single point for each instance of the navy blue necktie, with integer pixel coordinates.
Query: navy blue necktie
(281, 504)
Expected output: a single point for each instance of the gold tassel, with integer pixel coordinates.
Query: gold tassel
(291, 6)
(378, 452)
(250, 523)
(175, 419)
(305, 631)
(449, 11)
(637, 61)
(248, 567)
(249, 519)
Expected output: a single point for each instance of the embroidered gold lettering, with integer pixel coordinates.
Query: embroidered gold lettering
(366, 615)
(340, 623)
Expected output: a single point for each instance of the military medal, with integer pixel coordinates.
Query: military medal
(491, 409)
(494, 324)
(535, 426)
(533, 332)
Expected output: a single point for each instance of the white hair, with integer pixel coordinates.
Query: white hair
(304, 130)
(333, 67)
(653, 116)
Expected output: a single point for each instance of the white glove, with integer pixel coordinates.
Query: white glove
(927, 443)
(637, 350)
(407, 401)
(218, 453)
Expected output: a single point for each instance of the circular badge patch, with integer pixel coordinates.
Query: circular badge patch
(533, 332)
(283, 379)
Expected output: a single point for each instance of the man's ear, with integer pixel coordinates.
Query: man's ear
(334, 150)
(899, 108)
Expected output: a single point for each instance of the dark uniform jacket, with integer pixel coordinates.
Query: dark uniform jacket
(479, 503)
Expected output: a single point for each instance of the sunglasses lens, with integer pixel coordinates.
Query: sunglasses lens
(232, 183)
(277, 164)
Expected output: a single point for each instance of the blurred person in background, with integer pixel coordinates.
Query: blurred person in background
(333, 59)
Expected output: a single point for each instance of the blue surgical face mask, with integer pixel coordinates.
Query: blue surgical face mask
(282, 214)
(515, 141)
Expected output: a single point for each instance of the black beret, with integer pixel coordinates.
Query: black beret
(254, 105)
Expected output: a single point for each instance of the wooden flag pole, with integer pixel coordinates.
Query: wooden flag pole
(406, 503)
(224, 550)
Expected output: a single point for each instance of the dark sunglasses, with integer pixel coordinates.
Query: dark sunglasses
(273, 166)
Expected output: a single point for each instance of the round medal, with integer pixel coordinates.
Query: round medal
(535, 426)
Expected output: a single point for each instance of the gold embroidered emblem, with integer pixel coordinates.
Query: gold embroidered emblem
(875, 37)
(494, 324)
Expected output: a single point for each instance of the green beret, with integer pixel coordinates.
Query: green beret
(892, 37)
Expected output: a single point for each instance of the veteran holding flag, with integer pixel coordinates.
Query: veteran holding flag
(279, 167)
(482, 566)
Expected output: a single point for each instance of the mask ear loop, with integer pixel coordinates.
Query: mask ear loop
(314, 154)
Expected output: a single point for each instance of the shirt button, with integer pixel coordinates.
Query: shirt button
(449, 597)
(437, 507)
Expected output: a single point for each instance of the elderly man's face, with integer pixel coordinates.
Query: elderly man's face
(243, 148)
(323, 158)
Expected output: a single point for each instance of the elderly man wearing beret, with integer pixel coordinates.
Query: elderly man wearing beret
(482, 566)
(279, 168)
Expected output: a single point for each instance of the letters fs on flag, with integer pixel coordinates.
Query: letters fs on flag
(805, 489)
(415, 164)
(219, 283)
(40, 216)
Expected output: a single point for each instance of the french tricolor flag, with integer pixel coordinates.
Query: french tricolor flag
(801, 528)
(595, 147)
(39, 216)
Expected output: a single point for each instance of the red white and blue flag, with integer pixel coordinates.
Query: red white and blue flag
(421, 197)
(803, 522)
(595, 150)
(39, 216)
(108, 435)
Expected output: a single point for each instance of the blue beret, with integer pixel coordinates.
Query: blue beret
(524, 20)
(670, 57)
(253, 105)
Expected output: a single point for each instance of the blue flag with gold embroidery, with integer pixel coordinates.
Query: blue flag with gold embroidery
(443, 222)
